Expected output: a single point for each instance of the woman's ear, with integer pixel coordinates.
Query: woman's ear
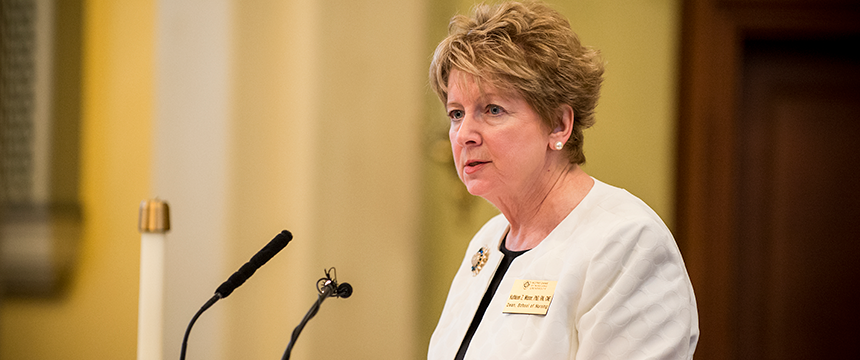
(564, 127)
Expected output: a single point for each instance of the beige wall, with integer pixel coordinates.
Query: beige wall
(312, 116)
(326, 113)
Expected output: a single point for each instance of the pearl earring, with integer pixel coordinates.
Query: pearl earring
(559, 145)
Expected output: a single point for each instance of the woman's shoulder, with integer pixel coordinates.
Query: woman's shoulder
(619, 204)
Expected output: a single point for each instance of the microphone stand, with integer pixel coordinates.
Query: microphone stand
(327, 287)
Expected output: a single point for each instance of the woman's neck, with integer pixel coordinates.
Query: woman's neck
(534, 218)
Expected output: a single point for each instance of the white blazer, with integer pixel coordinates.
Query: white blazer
(622, 290)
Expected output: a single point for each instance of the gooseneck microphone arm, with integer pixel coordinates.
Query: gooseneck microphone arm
(203, 308)
(327, 287)
(238, 278)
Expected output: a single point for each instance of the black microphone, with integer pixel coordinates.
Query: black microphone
(261, 257)
(331, 288)
(238, 278)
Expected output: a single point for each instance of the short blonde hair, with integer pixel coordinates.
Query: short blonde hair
(528, 47)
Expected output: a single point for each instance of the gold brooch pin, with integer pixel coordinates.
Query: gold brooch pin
(479, 260)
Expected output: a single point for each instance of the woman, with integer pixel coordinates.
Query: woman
(572, 268)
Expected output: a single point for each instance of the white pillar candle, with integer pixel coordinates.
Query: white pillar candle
(154, 223)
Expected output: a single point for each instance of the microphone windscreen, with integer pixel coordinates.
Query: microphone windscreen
(271, 249)
(261, 257)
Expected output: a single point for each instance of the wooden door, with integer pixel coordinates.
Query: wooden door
(769, 176)
(798, 203)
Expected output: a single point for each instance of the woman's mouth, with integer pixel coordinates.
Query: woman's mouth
(473, 166)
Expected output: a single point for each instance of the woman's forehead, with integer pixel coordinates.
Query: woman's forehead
(479, 87)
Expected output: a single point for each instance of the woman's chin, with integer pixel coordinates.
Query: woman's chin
(477, 189)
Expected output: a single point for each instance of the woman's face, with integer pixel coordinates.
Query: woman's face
(499, 142)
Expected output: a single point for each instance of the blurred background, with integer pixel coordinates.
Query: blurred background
(315, 116)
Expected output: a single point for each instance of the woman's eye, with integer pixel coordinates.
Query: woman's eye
(495, 110)
(455, 114)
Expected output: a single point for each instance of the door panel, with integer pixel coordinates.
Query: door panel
(799, 203)
(768, 170)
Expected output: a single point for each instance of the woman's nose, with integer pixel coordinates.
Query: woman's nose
(468, 132)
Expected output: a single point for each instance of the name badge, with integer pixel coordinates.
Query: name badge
(530, 297)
